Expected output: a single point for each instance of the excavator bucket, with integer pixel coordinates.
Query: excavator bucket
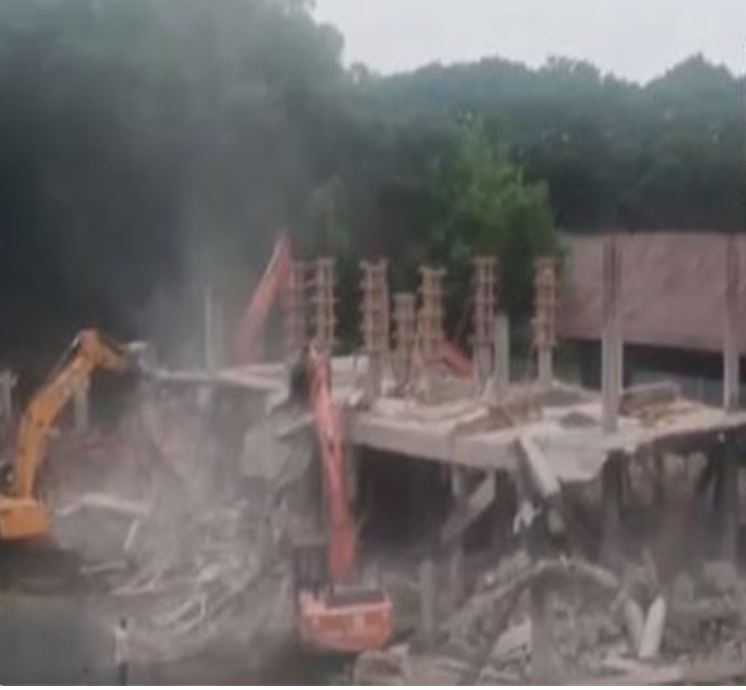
(23, 518)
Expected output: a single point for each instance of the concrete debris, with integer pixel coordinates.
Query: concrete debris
(652, 633)
(598, 629)
(543, 478)
(389, 667)
(639, 399)
(104, 502)
(197, 564)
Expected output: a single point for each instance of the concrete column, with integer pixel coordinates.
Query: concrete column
(545, 669)
(209, 331)
(730, 503)
(428, 600)
(501, 368)
(352, 456)
(612, 347)
(731, 354)
(546, 367)
(7, 383)
(82, 407)
(374, 378)
(503, 512)
(611, 487)
(456, 553)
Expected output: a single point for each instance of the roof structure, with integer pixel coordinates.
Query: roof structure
(673, 289)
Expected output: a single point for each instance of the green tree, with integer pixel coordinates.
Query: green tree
(484, 205)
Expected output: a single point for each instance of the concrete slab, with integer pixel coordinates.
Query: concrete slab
(564, 423)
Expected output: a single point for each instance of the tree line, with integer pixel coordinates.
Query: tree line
(152, 148)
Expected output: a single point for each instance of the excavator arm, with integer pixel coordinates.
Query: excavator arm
(342, 537)
(265, 295)
(22, 516)
(88, 352)
(337, 612)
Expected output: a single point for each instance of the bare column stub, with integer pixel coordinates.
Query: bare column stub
(323, 305)
(430, 333)
(375, 320)
(405, 336)
(485, 303)
(545, 320)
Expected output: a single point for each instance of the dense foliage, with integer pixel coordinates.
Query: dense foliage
(149, 148)
(670, 154)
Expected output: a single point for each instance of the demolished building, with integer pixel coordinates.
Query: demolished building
(527, 530)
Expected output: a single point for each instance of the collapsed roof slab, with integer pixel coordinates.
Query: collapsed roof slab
(564, 424)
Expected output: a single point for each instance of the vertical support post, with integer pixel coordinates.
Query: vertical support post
(209, 330)
(81, 407)
(485, 302)
(428, 600)
(546, 367)
(504, 510)
(430, 322)
(730, 506)
(405, 336)
(353, 473)
(611, 344)
(456, 555)
(611, 488)
(545, 326)
(501, 368)
(731, 353)
(7, 383)
(544, 662)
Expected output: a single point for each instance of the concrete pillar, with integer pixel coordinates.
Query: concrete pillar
(501, 369)
(352, 456)
(731, 353)
(428, 600)
(209, 331)
(504, 510)
(456, 553)
(611, 488)
(612, 347)
(545, 668)
(7, 383)
(374, 378)
(730, 503)
(546, 367)
(82, 407)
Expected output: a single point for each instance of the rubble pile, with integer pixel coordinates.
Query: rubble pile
(179, 544)
(601, 626)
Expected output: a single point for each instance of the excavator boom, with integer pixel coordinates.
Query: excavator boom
(264, 297)
(22, 516)
(342, 546)
(336, 614)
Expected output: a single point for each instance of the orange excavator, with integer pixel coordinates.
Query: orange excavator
(335, 612)
(22, 514)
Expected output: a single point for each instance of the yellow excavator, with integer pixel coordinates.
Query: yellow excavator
(22, 514)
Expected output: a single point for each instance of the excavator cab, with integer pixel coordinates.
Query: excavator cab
(334, 618)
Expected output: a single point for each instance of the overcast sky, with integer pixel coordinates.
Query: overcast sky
(636, 39)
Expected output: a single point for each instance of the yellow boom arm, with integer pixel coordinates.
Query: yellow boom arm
(88, 352)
